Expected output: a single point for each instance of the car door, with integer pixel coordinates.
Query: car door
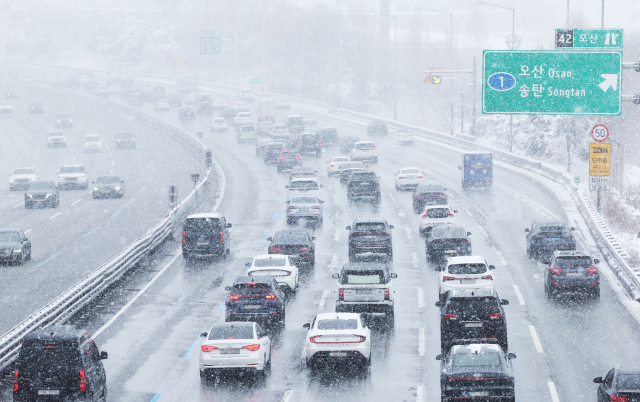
(26, 244)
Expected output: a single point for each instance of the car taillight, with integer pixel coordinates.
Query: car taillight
(234, 297)
(83, 381)
(341, 294)
(495, 316)
(356, 149)
(616, 398)
(293, 207)
(184, 237)
(298, 157)
(451, 317)
(270, 297)
(333, 165)
(207, 348)
(451, 213)
(305, 248)
(313, 338)
(448, 278)
(281, 158)
(375, 148)
(386, 293)
(362, 338)
(15, 381)
(316, 207)
(420, 177)
(222, 236)
(252, 348)
(276, 249)
(592, 270)
(300, 143)
(401, 177)
(488, 277)
(555, 270)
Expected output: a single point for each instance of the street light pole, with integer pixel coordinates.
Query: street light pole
(461, 103)
(340, 64)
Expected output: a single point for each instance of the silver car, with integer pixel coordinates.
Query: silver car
(308, 207)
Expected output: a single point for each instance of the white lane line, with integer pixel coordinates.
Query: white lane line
(303, 355)
(55, 215)
(392, 197)
(421, 342)
(519, 295)
(420, 296)
(467, 211)
(16, 206)
(501, 257)
(107, 148)
(552, 390)
(75, 202)
(323, 300)
(536, 340)
(110, 171)
(407, 232)
(27, 231)
(419, 390)
(483, 231)
(400, 213)
(414, 257)
(287, 395)
(113, 163)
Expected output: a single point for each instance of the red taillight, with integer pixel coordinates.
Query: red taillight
(281, 158)
(420, 177)
(305, 248)
(495, 316)
(275, 249)
(184, 237)
(341, 294)
(234, 297)
(448, 278)
(488, 277)
(15, 382)
(252, 348)
(83, 381)
(313, 338)
(451, 213)
(386, 293)
(207, 348)
(270, 297)
(592, 270)
(616, 398)
(356, 149)
(222, 236)
(375, 148)
(333, 165)
(451, 317)
(298, 157)
(555, 270)
(301, 143)
(362, 338)
(402, 177)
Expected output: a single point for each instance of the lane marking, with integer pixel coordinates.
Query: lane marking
(304, 352)
(407, 232)
(287, 395)
(92, 230)
(275, 215)
(116, 214)
(27, 231)
(536, 340)
(467, 211)
(483, 231)
(131, 200)
(48, 259)
(323, 300)
(519, 295)
(264, 238)
(414, 258)
(421, 342)
(107, 148)
(156, 397)
(193, 346)
(113, 164)
(420, 296)
(16, 206)
(110, 171)
(502, 260)
(552, 390)
(419, 390)
(75, 202)
(55, 215)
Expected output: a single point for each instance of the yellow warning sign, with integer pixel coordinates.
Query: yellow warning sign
(599, 159)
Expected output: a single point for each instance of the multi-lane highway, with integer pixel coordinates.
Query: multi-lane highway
(153, 342)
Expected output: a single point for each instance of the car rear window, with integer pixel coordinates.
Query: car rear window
(476, 306)
(56, 134)
(231, 332)
(446, 232)
(248, 128)
(338, 324)
(573, 262)
(201, 224)
(44, 358)
(552, 228)
(369, 227)
(329, 131)
(9, 237)
(476, 359)
(467, 269)
(628, 382)
(286, 238)
(437, 213)
(364, 176)
(367, 145)
(405, 171)
(304, 200)
(362, 277)
(252, 288)
(304, 184)
(269, 262)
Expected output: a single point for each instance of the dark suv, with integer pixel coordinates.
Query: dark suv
(428, 194)
(205, 235)
(446, 241)
(287, 159)
(364, 185)
(295, 123)
(255, 298)
(310, 143)
(271, 151)
(545, 237)
(377, 127)
(370, 237)
(42, 193)
(296, 243)
(572, 272)
(58, 363)
(329, 136)
(472, 316)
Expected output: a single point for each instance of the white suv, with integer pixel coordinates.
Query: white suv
(56, 139)
(436, 215)
(242, 119)
(471, 271)
(364, 151)
(22, 178)
(73, 176)
(366, 287)
(92, 143)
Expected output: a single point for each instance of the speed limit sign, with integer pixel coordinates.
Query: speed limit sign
(600, 133)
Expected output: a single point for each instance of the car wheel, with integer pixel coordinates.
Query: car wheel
(185, 256)
(29, 256)
(596, 292)
(390, 319)
(282, 318)
(547, 291)
(529, 253)
(103, 396)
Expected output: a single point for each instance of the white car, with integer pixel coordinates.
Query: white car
(335, 165)
(471, 271)
(242, 107)
(192, 99)
(219, 124)
(246, 133)
(309, 119)
(92, 143)
(303, 186)
(280, 131)
(403, 136)
(408, 177)
(338, 339)
(364, 151)
(101, 91)
(306, 207)
(435, 215)
(162, 105)
(235, 346)
(56, 139)
(243, 118)
(115, 89)
(283, 104)
(73, 176)
(84, 79)
(279, 266)
(5, 107)
(21, 178)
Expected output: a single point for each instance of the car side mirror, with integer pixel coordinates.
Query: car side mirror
(269, 238)
(511, 356)
(227, 288)
(307, 326)
(390, 226)
(335, 276)
(286, 202)
(468, 233)
(93, 182)
(321, 202)
(438, 303)
(286, 186)
(573, 229)
(25, 239)
(598, 380)
(322, 185)
(348, 227)
(455, 211)
(229, 225)
(394, 275)
(459, 167)
(247, 264)
(312, 238)
(504, 302)
(492, 267)
(527, 230)
(440, 357)
(203, 334)
(104, 355)
(596, 261)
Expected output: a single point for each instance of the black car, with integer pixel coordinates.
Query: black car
(108, 187)
(42, 193)
(310, 143)
(272, 151)
(329, 136)
(59, 363)
(287, 159)
(477, 372)
(187, 113)
(428, 194)
(377, 127)
(64, 120)
(11, 94)
(255, 298)
(621, 384)
(125, 140)
(36, 107)
(572, 272)
(348, 168)
(365, 186)
(230, 114)
(205, 108)
(470, 316)
(447, 241)
(15, 248)
(295, 123)
(348, 142)
(545, 237)
(205, 235)
(296, 243)
(370, 237)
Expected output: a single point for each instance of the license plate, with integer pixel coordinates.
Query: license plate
(473, 325)
(337, 354)
(467, 281)
(553, 239)
(478, 393)
(573, 274)
(303, 209)
(202, 243)
(229, 351)
(49, 392)
(363, 291)
(252, 307)
(370, 237)
(365, 184)
(451, 251)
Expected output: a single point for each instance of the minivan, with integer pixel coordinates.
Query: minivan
(205, 235)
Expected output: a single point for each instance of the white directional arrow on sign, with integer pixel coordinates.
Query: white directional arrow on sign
(610, 80)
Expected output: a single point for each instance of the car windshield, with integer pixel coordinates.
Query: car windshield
(437, 213)
(108, 179)
(295, 120)
(9, 236)
(362, 277)
(71, 169)
(405, 171)
(369, 227)
(125, 135)
(447, 232)
(365, 145)
(286, 238)
(40, 359)
(201, 224)
(304, 200)
(41, 185)
(629, 382)
(23, 171)
(467, 269)
(231, 332)
(476, 359)
(338, 324)
(303, 184)
(573, 262)
(269, 262)
(92, 138)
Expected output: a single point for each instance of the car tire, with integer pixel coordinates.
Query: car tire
(57, 203)
(390, 319)
(283, 316)
(596, 293)
(29, 255)
(185, 256)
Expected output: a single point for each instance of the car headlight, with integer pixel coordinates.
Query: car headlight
(57, 121)
(29, 195)
(70, 120)
(96, 189)
(49, 195)
(33, 179)
(17, 251)
(118, 188)
(10, 180)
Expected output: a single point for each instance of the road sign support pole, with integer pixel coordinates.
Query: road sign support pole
(598, 201)
(462, 112)
(475, 84)
(566, 132)
(510, 133)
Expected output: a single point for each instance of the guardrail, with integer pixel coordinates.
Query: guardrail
(83, 292)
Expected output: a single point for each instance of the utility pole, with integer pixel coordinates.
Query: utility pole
(340, 64)
(602, 16)
(475, 85)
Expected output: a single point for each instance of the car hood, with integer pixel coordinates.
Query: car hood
(46, 191)
(9, 244)
(71, 175)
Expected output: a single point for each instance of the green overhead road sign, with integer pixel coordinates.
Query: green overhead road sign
(210, 41)
(589, 38)
(551, 82)
(255, 81)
